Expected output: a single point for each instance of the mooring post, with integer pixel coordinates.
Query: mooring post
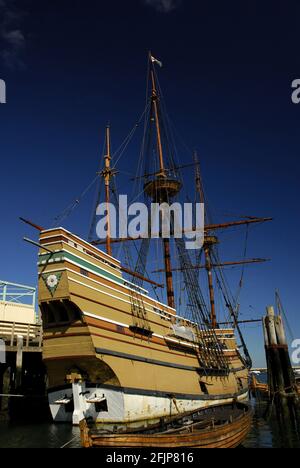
(2, 370)
(266, 336)
(280, 372)
(19, 361)
(280, 331)
(4, 390)
(270, 324)
(275, 370)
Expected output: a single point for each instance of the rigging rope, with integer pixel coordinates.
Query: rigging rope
(210, 351)
(233, 313)
(241, 283)
(281, 311)
(140, 267)
(68, 211)
(119, 152)
(128, 139)
(94, 221)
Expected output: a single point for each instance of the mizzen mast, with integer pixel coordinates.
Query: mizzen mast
(161, 188)
(209, 242)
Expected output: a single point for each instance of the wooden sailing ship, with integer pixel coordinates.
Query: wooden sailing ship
(258, 388)
(114, 353)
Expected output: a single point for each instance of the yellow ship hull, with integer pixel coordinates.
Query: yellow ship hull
(112, 352)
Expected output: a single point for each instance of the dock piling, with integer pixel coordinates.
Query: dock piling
(283, 392)
(19, 361)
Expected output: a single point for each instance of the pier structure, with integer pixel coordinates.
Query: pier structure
(281, 375)
(21, 338)
(282, 385)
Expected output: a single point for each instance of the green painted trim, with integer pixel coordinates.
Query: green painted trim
(64, 255)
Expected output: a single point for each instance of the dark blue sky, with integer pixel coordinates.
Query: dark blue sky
(71, 66)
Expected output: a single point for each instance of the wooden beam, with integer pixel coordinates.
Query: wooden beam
(239, 322)
(36, 244)
(30, 223)
(207, 228)
(246, 222)
(219, 265)
(153, 174)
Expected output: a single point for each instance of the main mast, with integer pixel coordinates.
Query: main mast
(161, 189)
(107, 174)
(155, 104)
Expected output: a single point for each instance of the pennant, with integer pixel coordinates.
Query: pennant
(154, 60)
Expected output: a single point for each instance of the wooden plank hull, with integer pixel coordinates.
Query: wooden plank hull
(226, 435)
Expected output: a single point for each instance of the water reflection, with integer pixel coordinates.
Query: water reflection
(38, 436)
(268, 432)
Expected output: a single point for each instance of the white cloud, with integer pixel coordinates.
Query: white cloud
(12, 37)
(164, 6)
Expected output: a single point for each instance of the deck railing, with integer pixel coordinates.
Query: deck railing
(17, 293)
(32, 335)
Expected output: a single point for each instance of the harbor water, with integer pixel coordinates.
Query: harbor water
(265, 433)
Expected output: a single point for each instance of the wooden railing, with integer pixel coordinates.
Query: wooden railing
(32, 335)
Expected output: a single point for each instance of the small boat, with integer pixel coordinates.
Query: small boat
(223, 427)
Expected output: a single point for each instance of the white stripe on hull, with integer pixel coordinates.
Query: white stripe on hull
(122, 408)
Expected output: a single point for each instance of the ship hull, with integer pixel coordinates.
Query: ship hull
(117, 356)
(126, 408)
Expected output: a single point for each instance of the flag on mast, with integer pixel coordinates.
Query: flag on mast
(154, 60)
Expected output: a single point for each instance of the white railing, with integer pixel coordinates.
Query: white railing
(17, 293)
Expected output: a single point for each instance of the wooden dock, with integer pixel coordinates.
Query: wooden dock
(32, 336)
(18, 318)
(21, 343)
